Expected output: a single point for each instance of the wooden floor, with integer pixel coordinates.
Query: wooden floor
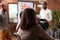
(14, 38)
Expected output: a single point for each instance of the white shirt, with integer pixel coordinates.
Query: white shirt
(22, 33)
(45, 14)
(15, 20)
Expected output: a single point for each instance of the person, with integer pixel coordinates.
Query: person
(29, 27)
(4, 24)
(15, 23)
(17, 28)
(45, 16)
(17, 31)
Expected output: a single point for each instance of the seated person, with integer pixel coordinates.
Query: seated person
(29, 27)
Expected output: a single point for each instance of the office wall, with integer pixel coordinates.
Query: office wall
(54, 4)
(0, 1)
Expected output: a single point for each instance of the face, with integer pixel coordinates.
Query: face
(44, 5)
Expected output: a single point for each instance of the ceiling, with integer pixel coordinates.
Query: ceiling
(37, 0)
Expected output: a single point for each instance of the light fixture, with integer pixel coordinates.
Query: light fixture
(39, 6)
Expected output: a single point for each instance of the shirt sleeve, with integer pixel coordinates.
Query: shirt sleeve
(49, 16)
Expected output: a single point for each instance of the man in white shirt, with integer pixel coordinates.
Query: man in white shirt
(45, 14)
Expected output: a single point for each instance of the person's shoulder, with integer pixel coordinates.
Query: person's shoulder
(35, 30)
(41, 10)
(49, 10)
(35, 27)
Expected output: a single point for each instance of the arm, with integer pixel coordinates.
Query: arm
(17, 28)
(39, 15)
(49, 15)
(50, 19)
(6, 17)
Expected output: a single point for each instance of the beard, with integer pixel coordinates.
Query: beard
(45, 8)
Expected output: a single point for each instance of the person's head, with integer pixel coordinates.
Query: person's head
(2, 9)
(1, 6)
(45, 5)
(28, 19)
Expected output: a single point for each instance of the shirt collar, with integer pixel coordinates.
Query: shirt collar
(46, 9)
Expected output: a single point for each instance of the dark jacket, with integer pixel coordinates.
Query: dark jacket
(34, 33)
(3, 20)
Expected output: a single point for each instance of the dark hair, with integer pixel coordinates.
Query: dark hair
(28, 19)
(20, 14)
(3, 7)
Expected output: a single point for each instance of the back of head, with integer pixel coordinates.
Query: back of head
(2, 8)
(28, 19)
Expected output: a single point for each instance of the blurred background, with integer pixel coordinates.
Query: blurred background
(13, 13)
